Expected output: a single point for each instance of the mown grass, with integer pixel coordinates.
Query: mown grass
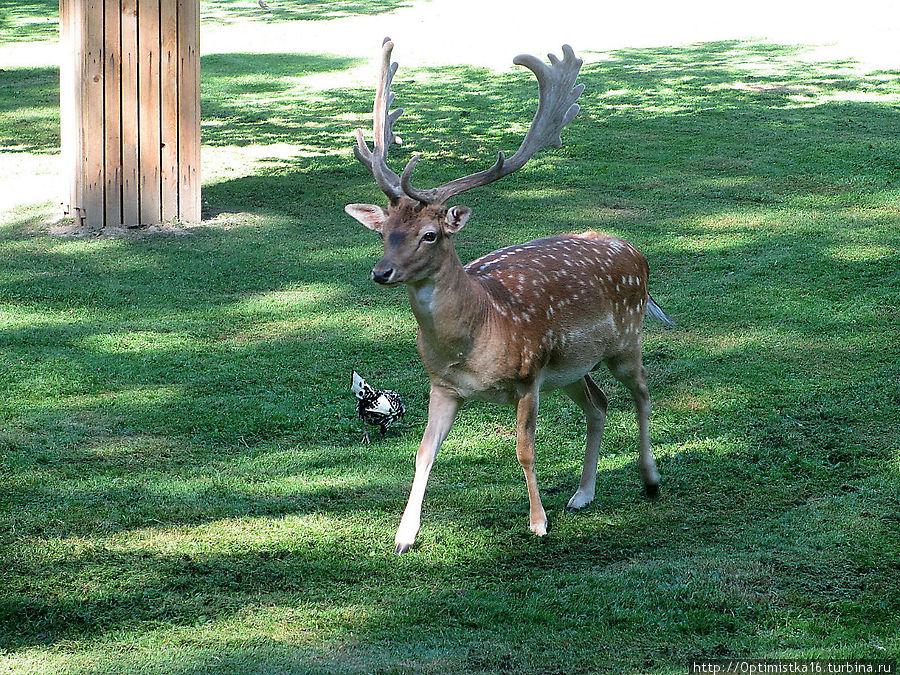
(231, 11)
(24, 21)
(39, 19)
(184, 487)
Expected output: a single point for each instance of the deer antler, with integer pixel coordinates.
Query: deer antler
(556, 108)
(383, 127)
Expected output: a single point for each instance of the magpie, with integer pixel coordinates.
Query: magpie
(381, 407)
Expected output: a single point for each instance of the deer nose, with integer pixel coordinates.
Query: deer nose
(382, 276)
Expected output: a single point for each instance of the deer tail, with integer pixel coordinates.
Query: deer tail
(656, 312)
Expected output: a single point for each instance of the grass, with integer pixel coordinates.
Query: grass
(28, 20)
(184, 487)
(29, 110)
(232, 11)
(39, 19)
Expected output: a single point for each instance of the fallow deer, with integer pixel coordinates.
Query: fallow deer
(519, 321)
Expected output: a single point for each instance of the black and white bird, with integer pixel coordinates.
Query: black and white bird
(376, 407)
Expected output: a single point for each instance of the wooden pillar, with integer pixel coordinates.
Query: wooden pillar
(130, 110)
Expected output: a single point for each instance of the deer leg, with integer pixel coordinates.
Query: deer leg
(526, 422)
(591, 399)
(630, 372)
(442, 407)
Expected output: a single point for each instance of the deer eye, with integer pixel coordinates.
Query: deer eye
(429, 236)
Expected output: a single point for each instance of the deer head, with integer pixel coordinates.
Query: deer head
(417, 225)
(416, 238)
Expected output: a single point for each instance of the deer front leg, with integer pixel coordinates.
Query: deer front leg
(442, 407)
(591, 399)
(526, 421)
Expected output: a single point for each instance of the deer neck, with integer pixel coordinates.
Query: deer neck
(449, 307)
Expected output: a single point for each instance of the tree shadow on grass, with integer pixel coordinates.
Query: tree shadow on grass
(228, 11)
(39, 19)
(775, 139)
(620, 571)
(29, 109)
(29, 20)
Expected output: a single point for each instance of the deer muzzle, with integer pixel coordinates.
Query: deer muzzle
(383, 273)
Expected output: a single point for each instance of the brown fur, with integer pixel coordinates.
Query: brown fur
(512, 324)
(519, 321)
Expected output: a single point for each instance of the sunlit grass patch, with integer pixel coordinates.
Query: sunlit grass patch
(863, 252)
(230, 11)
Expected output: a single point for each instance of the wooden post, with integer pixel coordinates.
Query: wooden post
(189, 110)
(130, 180)
(112, 123)
(130, 110)
(91, 109)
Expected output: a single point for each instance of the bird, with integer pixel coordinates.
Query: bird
(381, 407)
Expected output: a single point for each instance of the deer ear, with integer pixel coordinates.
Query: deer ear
(369, 215)
(456, 218)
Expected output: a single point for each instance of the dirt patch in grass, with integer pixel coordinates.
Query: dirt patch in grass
(74, 230)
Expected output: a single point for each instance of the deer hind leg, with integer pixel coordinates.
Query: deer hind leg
(591, 399)
(526, 422)
(442, 407)
(630, 372)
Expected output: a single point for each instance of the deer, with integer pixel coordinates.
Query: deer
(520, 321)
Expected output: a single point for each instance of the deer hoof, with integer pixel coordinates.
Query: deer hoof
(579, 501)
(651, 490)
(400, 549)
(540, 529)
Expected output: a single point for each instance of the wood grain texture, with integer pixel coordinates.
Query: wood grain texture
(112, 112)
(130, 110)
(92, 113)
(189, 109)
(148, 111)
(169, 100)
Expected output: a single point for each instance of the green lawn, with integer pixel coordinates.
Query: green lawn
(184, 490)
(28, 20)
